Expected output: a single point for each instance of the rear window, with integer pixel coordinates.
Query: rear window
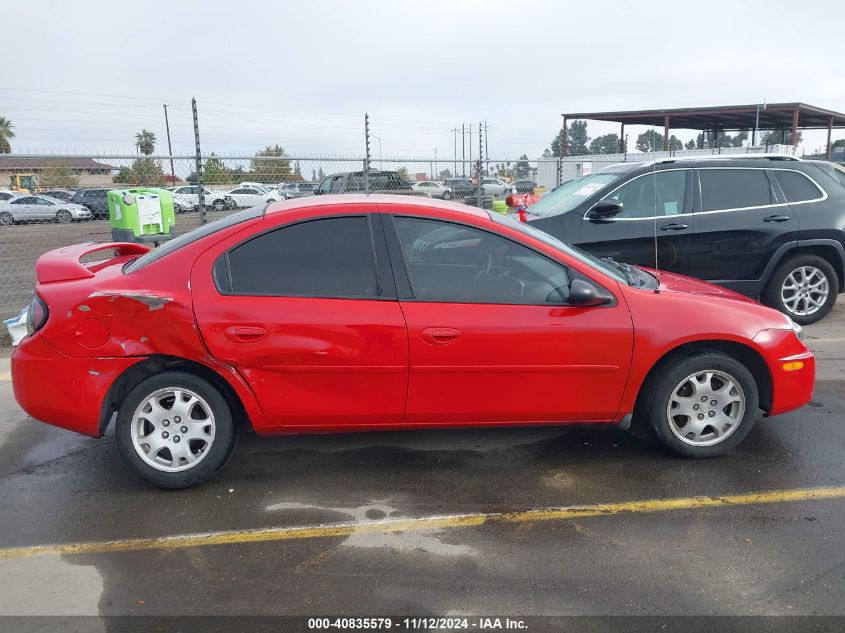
(192, 236)
(734, 189)
(797, 187)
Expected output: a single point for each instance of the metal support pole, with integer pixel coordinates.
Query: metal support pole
(665, 132)
(486, 144)
(480, 187)
(463, 151)
(795, 127)
(564, 145)
(455, 174)
(756, 125)
(622, 139)
(169, 147)
(829, 132)
(367, 154)
(559, 172)
(200, 187)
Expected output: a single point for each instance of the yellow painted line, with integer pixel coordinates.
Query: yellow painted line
(334, 530)
(5, 375)
(810, 339)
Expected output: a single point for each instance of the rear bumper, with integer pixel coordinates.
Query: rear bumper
(60, 390)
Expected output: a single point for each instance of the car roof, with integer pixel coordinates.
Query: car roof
(373, 199)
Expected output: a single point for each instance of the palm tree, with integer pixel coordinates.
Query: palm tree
(5, 134)
(145, 141)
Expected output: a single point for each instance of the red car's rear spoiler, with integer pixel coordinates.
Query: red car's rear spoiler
(63, 264)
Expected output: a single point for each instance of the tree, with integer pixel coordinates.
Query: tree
(57, 175)
(320, 174)
(605, 144)
(6, 133)
(124, 176)
(690, 144)
(547, 153)
(838, 143)
(146, 171)
(215, 172)
(444, 174)
(675, 143)
(778, 137)
(578, 138)
(145, 141)
(403, 172)
(650, 141)
(270, 166)
(523, 169)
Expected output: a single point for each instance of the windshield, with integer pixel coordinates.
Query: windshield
(570, 194)
(606, 267)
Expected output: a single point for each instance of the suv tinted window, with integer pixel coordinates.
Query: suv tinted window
(452, 262)
(658, 194)
(734, 188)
(796, 186)
(320, 258)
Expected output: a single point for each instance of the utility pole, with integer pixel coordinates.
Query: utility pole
(169, 148)
(480, 188)
(463, 151)
(455, 130)
(200, 187)
(367, 156)
(434, 170)
(486, 144)
(469, 131)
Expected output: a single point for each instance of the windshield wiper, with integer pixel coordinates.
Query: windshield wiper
(624, 268)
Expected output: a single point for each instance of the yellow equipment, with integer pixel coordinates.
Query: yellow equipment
(22, 182)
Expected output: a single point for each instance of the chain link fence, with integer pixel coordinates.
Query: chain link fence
(50, 201)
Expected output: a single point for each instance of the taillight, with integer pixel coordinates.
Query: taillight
(36, 317)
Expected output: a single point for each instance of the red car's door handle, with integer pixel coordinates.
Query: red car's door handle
(244, 333)
(440, 335)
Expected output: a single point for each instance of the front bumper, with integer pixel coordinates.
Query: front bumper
(792, 367)
(60, 390)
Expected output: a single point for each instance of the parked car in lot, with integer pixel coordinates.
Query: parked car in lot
(189, 195)
(379, 182)
(288, 190)
(495, 187)
(522, 186)
(461, 187)
(5, 196)
(40, 207)
(351, 313)
(60, 194)
(94, 200)
(771, 228)
(434, 189)
(251, 196)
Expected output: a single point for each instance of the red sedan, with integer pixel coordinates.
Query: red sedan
(346, 313)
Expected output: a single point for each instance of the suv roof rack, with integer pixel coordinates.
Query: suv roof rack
(673, 159)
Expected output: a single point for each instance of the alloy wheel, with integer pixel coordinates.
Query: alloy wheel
(805, 290)
(705, 408)
(173, 429)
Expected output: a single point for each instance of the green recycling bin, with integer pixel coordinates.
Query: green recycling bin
(141, 215)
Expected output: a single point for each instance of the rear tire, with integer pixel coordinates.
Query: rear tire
(702, 405)
(799, 284)
(175, 430)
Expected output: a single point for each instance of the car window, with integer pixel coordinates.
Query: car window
(734, 188)
(337, 184)
(456, 263)
(326, 185)
(27, 200)
(796, 186)
(658, 194)
(571, 194)
(42, 201)
(332, 257)
(253, 192)
(237, 191)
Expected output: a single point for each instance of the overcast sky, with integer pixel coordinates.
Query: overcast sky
(85, 76)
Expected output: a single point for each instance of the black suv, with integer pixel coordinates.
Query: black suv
(770, 227)
(379, 182)
(94, 199)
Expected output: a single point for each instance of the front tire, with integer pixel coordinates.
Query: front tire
(702, 405)
(447, 195)
(219, 205)
(803, 287)
(64, 217)
(175, 430)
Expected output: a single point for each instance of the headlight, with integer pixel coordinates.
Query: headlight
(799, 331)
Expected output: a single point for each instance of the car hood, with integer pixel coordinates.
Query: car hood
(673, 282)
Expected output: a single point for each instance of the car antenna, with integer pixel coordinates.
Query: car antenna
(654, 205)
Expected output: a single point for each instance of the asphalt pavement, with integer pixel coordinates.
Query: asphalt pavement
(527, 521)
